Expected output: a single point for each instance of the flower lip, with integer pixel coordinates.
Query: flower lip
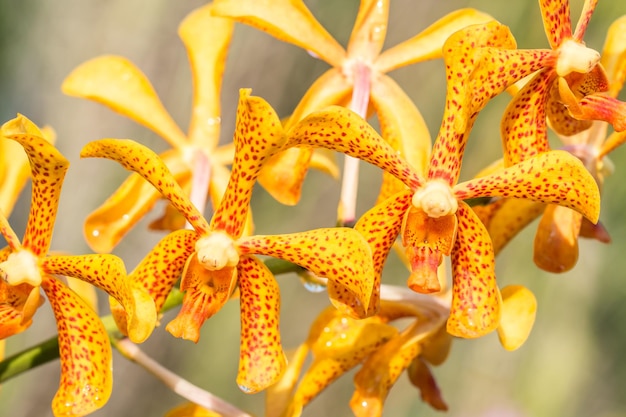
(21, 267)
(217, 251)
(436, 199)
(575, 57)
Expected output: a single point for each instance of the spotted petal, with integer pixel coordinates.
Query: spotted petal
(136, 157)
(585, 16)
(555, 177)
(18, 304)
(118, 84)
(86, 374)
(108, 273)
(475, 309)
(261, 360)
(556, 21)
(286, 20)
(340, 254)
(48, 168)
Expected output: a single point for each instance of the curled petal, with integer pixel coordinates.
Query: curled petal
(283, 175)
(421, 377)
(258, 136)
(286, 20)
(597, 107)
(85, 351)
(555, 177)
(519, 307)
(614, 56)
(108, 273)
(261, 358)
(118, 84)
(340, 254)
(48, 168)
(344, 131)
(136, 157)
(14, 172)
(18, 305)
(370, 29)
(556, 241)
(427, 44)
(475, 309)
(556, 21)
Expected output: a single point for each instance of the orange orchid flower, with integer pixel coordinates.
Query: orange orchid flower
(358, 76)
(26, 267)
(196, 160)
(215, 258)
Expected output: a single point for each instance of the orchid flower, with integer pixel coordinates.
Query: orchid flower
(358, 78)
(215, 258)
(26, 268)
(196, 160)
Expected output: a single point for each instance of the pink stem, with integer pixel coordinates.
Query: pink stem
(200, 178)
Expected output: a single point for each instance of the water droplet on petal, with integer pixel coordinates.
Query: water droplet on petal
(246, 389)
(312, 282)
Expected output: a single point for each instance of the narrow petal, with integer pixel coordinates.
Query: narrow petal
(7, 232)
(207, 39)
(614, 56)
(598, 107)
(369, 31)
(380, 227)
(108, 273)
(136, 157)
(519, 307)
(14, 172)
(340, 254)
(18, 305)
(86, 372)
(422, 378)
(48, 168)
(344, 131)
(594, 231)
(475, 309)
(286, 20)
(278, 396)
(258, 136)
(585, 16)
(261, 358)
(427, 44)
(556, 241)
(556, 21)
(555, 177)
(118, 84)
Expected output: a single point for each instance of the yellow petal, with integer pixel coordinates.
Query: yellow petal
(191, 410)
(283, 175)
(84, 290)
(427, 44)
(614, 56)
(279, 395)
(555, 177)
(286, 20)
(48, 168)
(556, 241)
(136, 157)
(207, 39)
(475, 309)
(370, 28)
(340, 254)
(258, 136)
(18, 304)
(108, 273)
(344, 131)
(118, 84)
(9, 235)
(585, 16)
(519, 307)
(556, 21)
(86, 377)
(436, 348)
(596, 107)
(261, 359)
(324, 160)
(14, 172)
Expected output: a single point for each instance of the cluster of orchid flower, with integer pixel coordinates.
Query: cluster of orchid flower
(422, 210)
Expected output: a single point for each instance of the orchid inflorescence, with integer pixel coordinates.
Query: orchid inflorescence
(423, 209)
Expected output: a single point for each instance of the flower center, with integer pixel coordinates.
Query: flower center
(435, 199)
(217, 251)
(21, 267)
(575, 57)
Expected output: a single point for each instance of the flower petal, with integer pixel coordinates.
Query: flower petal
(18, 305)
(340, 254)
(369, 31)
(14, 172)
(261, 359)
(555, 177)
(585, 16)
(556, 21)
(556, 241)
(421, 377)
(278, 396)
(614, 56)
(191, 410)
(86, 373)
(597, 107)
(519, 307)
(427, 44)
(136, 157)
(286, 20)
(475, 309)
(108, 273)
(258, 136)
(207, 39)
(342, 130)
(48, 168)
(118, 84)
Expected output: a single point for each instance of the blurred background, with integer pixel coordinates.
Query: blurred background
(572, 365)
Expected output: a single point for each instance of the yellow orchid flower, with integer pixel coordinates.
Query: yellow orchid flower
(214, 258)
(195, 158)
(26, 267)
(358, 75)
